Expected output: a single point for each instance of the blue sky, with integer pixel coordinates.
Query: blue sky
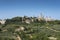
(12, 8)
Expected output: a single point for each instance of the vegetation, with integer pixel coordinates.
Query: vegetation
(36, 30)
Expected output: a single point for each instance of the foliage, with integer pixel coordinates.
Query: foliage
(36, 30)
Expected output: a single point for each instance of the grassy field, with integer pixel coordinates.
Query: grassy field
(33, 31)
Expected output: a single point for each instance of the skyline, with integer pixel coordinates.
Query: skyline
(13, 8)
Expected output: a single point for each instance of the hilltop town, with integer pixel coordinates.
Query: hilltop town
(28, 20)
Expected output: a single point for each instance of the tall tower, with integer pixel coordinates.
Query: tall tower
(41, 17)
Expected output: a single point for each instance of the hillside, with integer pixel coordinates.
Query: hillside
(16, 29)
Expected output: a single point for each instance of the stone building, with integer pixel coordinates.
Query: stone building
(2, 21)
